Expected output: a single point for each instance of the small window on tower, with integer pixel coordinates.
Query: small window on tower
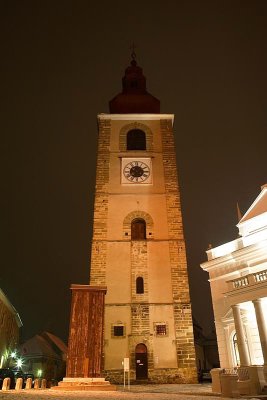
(160, 329)
(134, 84)
(139, 285)
(118, 330)
(138, 229)
(136, 140)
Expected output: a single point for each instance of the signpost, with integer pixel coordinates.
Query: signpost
(126, 370)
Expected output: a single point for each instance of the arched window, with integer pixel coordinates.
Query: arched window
(136, 140)
(138, 229)
(139, 285)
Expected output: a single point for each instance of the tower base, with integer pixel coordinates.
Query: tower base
(86, 384)
(155, 376)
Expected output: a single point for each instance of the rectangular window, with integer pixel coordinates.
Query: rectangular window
(118, 330)
(160, 329)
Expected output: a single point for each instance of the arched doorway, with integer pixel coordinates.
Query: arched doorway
(141, 361)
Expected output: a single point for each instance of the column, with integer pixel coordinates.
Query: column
(241, 336)
(261, 327)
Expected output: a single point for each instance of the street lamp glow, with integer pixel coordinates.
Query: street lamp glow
(19, 362)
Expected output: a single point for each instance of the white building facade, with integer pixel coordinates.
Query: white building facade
(238, 280)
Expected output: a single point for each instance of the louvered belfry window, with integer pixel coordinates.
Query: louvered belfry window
(136, 140)
(138, 229)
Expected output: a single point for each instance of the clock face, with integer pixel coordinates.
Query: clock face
(136, 171)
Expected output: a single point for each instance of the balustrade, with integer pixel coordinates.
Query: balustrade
(240, 282)
(230, 371)
(248, 280)
(260, 276)
(243, 373)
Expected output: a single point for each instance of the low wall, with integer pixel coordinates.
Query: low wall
(164, 375)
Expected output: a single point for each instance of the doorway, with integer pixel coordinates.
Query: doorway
(141, 361)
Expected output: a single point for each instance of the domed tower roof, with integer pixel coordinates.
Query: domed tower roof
(134, 97)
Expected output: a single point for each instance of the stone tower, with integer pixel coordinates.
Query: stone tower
(138, 248)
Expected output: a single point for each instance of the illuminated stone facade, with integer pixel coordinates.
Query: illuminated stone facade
(138, 249)
(238, 280)
(9, 329)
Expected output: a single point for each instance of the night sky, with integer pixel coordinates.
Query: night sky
(61, 62)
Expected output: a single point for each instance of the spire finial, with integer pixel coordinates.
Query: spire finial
(133, 54)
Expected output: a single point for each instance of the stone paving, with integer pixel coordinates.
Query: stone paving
(142, 392)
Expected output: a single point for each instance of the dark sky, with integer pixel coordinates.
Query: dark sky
(61, 62)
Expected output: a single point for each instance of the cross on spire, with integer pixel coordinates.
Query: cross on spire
(133, 54)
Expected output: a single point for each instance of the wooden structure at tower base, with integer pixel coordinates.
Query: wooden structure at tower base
(85, 347)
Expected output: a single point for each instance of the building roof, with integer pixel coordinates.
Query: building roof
(44, 345)
(256, 216)
(37, 346)
(134, 97)
(56, 341)
(259, 206)
(252, 230)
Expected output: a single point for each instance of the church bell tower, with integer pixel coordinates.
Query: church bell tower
(138, 249)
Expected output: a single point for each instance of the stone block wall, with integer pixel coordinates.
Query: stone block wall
(99, 244)
(180, 286)
(157, 376)
(9, 331)
(140, 315)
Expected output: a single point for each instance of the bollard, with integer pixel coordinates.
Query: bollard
(36, 384)
(43, 384)
(28, 383)
(19, 383)
(6, 384)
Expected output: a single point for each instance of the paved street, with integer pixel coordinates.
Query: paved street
(144, 392)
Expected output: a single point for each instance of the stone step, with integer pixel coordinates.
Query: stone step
(83, 383)
(82, 387)
(89, 384)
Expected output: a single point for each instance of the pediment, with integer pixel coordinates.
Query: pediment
(256, 216)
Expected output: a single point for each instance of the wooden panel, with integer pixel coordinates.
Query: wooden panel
(86, 331)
